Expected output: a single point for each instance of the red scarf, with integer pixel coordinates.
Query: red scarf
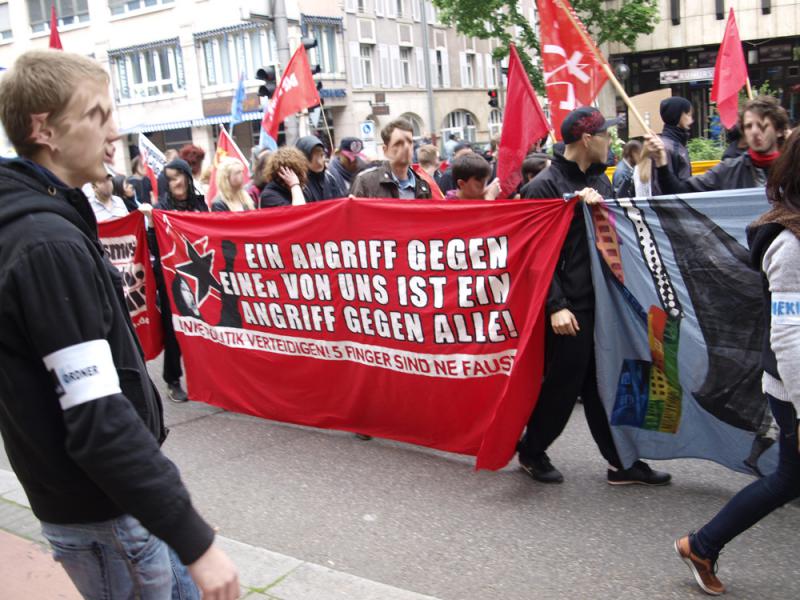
(761, 160)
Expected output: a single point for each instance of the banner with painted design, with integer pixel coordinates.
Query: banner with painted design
(679, 328)
(125, 243)
(416, 321)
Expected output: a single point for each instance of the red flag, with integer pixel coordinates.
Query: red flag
(225, 147)
(455, 366)
(296, 91)
(573, 72)
(730, 74)
(436, 192)
(55, 39)
(125, 241)
(525, 124)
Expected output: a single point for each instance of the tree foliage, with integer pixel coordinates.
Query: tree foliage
(502, 20)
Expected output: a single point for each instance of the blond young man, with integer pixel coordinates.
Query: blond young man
(81, 420)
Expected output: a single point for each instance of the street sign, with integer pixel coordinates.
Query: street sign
(687, 75)
(367, 130)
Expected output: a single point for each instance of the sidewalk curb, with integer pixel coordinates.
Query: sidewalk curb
(262, 573)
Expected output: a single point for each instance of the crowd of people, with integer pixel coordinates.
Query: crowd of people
(94, 437)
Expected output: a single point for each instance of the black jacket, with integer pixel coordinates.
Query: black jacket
(323, 186)
(678, 161)
(80, 457)
(731, 174)
(194, 202)
(275, 194)
(572, 281)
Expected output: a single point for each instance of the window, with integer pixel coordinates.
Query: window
(469, 70)
(405, 66)
(119, 7)
(69, 12)
(226, 56)
(495, 123)
(399, 5)
(366, 64)
(439, 68)
(5, 22)
(324, 54)
(362, 6)
(146, 73)
(462, 122)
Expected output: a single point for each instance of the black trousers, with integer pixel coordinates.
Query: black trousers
(172, 352)
(570, 372)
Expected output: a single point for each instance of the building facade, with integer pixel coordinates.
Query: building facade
(682, 50)
(175, 65)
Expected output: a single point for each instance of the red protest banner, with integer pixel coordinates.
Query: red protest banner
(125, 242)
(296, 91)
(573, 73)
(417, 321)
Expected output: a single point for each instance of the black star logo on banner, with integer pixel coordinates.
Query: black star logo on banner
(199, 268)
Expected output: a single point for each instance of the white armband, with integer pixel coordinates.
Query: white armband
(84, 372)
(785, 308)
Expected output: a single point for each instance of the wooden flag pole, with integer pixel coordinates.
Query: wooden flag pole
(749, 89)
(606, 67)
(327, 129)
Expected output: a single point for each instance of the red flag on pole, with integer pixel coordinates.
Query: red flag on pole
(524, 125)
(225, 147)
(573, 72)
(296, 91)
(730, 74)
(55, 39)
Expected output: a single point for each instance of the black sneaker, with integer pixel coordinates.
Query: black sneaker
(641, 473)
(176, 393)
(541, 469)
(363, 437)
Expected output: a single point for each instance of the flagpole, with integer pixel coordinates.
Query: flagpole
(749, 89)
(606, 67)
(327, 129)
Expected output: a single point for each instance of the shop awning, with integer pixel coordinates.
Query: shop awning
(199, 122)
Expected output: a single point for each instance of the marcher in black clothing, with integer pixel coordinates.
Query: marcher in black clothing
(140, 182)
(321, 184)
(125, 190)
(764, 122)
(570, 368)
(286, 176)
(348, 161)
(446, 181)
(676, 112)
(80, 418)
(180, 195)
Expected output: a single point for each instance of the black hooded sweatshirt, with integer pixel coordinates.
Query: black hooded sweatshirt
(320, 186)
(194, 201)
(80, 418)
(571, 286)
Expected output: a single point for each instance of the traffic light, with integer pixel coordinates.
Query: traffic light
(309, 42)
(493, 100)
(268, 76)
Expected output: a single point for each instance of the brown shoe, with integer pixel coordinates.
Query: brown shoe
(703, 569)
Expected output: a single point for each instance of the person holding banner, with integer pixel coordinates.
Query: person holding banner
(393, 178)
(81, 421)
(774, 241)
(231, 195)
(676, 112)
(569, 344)
(764, 123)
(471, 174)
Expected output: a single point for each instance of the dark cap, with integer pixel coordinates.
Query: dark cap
(585, 119)
(672, 109)
(352, 148)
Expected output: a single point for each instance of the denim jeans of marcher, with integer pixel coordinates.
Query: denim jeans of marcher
(761, 497)
(119, 559)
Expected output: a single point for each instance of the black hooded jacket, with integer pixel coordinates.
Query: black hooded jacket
(194, 202)
(572, 286)
(320, 186)
(80, 418)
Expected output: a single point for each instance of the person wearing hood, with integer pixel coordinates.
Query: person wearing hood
(320, 184)
(81, 419)
(676, 112)
(774, 240)
(180, 195)
(764, 123)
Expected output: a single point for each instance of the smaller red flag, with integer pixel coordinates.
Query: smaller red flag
(225, 147)
(55, 39)
(730, 74)
(524, 124)
(296, 91)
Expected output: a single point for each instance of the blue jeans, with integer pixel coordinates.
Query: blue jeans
(761, 497)
(119, 559)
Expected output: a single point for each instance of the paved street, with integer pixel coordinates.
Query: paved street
(425, 521)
